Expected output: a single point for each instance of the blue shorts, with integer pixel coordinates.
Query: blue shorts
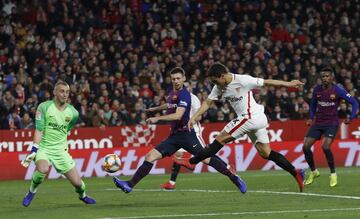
(315, 131)
(186, 140)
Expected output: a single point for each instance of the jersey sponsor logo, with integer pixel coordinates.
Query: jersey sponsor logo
(57, 126)
(326, 104)
(38, 115)
(233, 98)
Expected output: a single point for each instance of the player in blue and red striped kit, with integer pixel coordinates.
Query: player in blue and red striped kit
(324, 121)
(178, 105)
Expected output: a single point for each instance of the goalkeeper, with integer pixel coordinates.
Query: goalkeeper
(54, 119)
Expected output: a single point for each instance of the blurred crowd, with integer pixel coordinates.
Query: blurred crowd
(116, 54)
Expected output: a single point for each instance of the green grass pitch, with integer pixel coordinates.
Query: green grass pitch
(271, 194)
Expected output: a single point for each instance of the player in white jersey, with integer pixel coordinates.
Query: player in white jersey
(251, 120)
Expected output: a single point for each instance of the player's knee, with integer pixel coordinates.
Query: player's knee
(153, 156)
(43, 169)
(264, 154)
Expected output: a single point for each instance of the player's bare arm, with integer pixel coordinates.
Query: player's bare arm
(204, 107)
(293, 83)
(170, 117)
(157, 108)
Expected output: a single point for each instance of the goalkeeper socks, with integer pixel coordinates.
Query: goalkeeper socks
(219, 165)
(140, 173)
(330, 159)
(309, 158)
(37, 179)
(81, 190)
(206, 152)
(174, 171)
(282, 162)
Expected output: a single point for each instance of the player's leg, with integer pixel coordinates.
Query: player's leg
(261, 141)
(165, 148)
(308, 142)
(329, 136)
(73, 176)
(225, 136)
(313, 134)
(64, 164)
(194, 146)
(42, 168)
(169, 185)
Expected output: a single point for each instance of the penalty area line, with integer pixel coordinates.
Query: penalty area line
(236, 213)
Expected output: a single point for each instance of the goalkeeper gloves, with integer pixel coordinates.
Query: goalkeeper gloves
(30, 157)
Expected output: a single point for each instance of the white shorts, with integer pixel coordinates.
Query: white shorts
(199, 137)
(255, 128)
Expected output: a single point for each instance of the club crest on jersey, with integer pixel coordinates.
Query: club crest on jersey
(237, 89)
(332, 96)
(67, 119)
(174, 97)
(318, 95)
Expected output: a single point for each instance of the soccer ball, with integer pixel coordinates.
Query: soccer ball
(112, 163)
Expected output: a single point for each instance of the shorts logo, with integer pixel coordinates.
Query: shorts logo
(194, 145)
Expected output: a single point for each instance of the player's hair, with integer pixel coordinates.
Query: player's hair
(61, 83)
(328, 69)
(217, 69)
(177, 70)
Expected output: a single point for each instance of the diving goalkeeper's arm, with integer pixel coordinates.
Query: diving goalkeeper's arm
(34, 147)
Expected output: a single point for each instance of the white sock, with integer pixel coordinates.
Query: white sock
(172, 182)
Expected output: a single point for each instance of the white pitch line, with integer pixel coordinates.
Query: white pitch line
(255, 191)
(235, 213)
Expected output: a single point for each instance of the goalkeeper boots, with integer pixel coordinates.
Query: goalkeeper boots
(28, 198)
(88, 200)
(312, 175)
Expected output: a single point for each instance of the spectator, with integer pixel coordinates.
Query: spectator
(108, 53)
(27, 122)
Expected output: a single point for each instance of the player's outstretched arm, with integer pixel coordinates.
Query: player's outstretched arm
(34, 147)
(157, 108)
(204, 107)
(293, 83)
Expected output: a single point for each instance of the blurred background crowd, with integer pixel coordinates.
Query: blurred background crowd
(116, 54)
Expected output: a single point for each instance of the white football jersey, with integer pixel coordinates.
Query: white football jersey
(195, 106)
(238, 93)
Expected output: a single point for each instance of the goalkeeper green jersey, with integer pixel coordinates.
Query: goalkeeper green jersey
(55, 125)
